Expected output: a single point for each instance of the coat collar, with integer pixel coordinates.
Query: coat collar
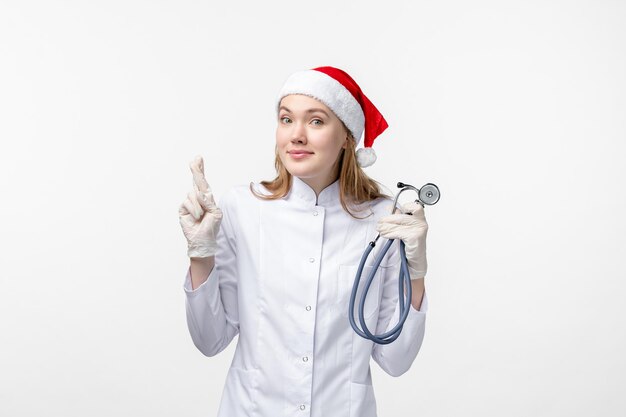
(301, 191)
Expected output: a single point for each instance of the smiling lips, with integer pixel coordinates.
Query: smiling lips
(299, 154)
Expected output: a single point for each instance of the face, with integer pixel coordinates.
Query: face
(306, 124)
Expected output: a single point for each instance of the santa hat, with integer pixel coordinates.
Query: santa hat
(339, 92)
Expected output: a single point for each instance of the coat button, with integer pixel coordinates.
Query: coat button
(305, 359)
(311, 260)
(302, 407)
(308, 308)
(315, 213)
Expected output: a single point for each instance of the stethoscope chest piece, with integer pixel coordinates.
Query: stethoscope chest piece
(429, 194)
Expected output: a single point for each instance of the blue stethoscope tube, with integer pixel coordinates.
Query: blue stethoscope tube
(428, 194)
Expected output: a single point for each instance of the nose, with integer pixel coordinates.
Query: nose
(298, 133)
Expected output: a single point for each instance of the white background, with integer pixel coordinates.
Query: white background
(515, 109)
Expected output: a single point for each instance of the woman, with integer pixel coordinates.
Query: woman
(275, 263)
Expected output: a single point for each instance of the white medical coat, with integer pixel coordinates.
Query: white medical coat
(282, 279)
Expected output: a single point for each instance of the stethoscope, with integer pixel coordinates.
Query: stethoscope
(428, 194)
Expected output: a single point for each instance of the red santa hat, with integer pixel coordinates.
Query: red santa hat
(339, 92)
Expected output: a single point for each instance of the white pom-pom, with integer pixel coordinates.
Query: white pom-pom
(365, 157)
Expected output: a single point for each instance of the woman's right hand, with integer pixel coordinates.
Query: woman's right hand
(199, 217)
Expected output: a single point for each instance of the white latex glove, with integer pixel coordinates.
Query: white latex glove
(199, 217)
(412, 230)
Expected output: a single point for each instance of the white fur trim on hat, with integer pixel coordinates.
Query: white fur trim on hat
(365, 157)
(329, 91)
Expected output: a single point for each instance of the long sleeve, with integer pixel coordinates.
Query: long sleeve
(212, 308)
(397, 357)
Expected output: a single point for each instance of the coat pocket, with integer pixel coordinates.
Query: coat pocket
(347, 274)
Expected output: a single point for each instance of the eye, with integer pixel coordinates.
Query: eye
(319, 120)
(284, 117)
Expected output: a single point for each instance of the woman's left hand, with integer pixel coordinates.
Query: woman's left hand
(412, 230)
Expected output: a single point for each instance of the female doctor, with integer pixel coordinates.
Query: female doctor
(275, 263)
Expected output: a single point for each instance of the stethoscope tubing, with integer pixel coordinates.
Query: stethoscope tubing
(404, 280)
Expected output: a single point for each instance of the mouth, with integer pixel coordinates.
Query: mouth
(299, 155)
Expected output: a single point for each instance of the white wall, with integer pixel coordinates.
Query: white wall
(514, 109)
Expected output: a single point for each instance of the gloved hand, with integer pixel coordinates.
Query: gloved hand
(412, 230)
(199, 217)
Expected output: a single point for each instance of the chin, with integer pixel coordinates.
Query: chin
(300, 171)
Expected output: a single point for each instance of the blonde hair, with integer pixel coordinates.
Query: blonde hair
(355, 187)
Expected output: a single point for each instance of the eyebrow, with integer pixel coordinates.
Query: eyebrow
(308, 111)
